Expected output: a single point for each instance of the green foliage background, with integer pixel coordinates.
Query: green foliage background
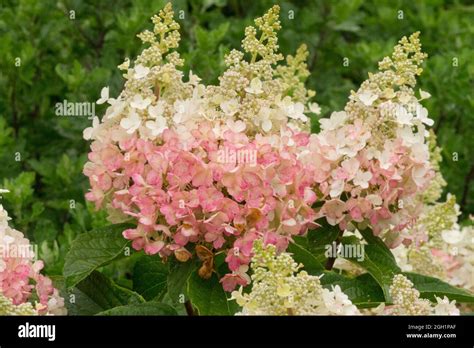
(42, 155)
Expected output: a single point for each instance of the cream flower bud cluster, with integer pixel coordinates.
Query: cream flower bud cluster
(279, 288)
(407, 301)
(435, 188)
(8, 308)
(437, 218)
(387, 101)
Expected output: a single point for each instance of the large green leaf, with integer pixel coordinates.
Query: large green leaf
(149, 276)
(379, 243)
(302, 255)
(148, 308)
(98, 293)
(92, 250)
(179, 272)
(363, 291)
(316, 241)
(208, 296)
(430, 287)
(377, 260)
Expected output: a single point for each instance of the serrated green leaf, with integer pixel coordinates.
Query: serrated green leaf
(92, 250)
(317, 240)
(150, 275)
(377, 260)
(208, 296)
(179, 272)
(304, 256)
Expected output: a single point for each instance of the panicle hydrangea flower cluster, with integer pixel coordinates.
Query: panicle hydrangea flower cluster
(443, 249)
(20, 277)
(373, 157)
(280, 288)
(407, 301)
(221, 166)
(427, 231)
(191, 165)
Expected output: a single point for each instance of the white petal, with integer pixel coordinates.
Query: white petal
(424, 95)
(87, 133)
(367, 98)
(255, 86)
(141, 71)
(452, 237)
(266, 125)
(104, 95)
(315, 108)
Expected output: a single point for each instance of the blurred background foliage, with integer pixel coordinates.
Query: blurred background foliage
(69, 49)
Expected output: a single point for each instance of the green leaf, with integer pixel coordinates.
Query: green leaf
(179, 272)
(92, 250)
(208, 296)
(319, 239)
(376, 241)
(36, 209)
(98, 293)
(363, 290)
(149, 276)
(207, 40)
(147, 308)
(323, 235)
(377, 260)
(304, 256)
(430, 287)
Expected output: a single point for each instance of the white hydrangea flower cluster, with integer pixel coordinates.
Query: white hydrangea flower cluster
(407, 301)
(279, 288)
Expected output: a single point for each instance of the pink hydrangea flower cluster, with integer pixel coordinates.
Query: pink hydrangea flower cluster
(373, 159)
(361, 184)
(20, 277)
(226, 192)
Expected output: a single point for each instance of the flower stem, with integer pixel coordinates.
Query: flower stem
(189, 308)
